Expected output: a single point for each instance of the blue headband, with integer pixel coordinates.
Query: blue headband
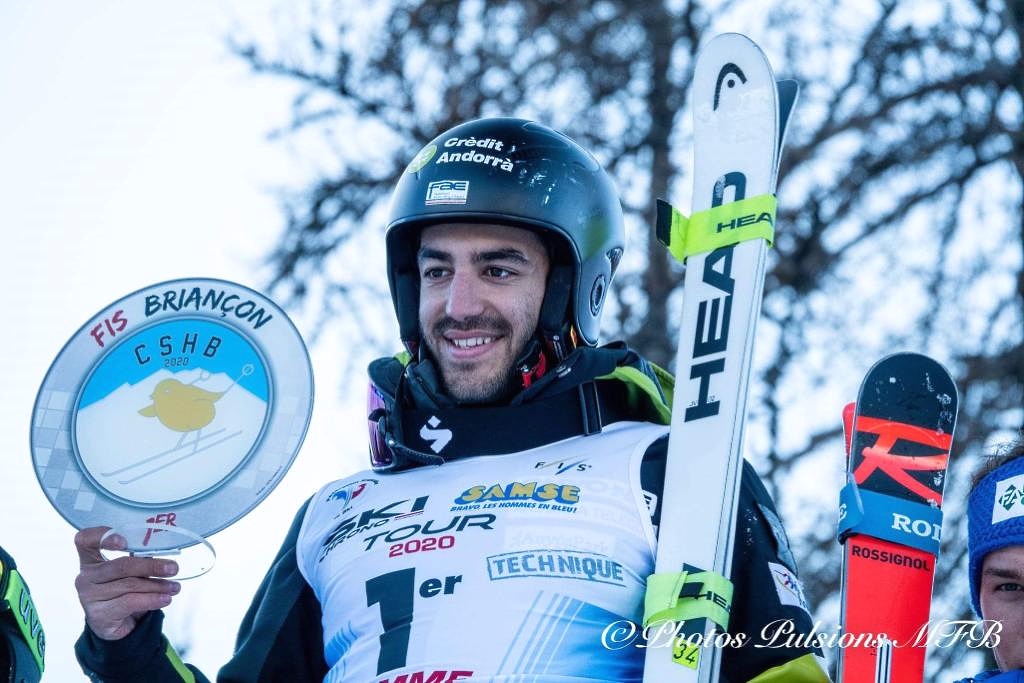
(995, 518)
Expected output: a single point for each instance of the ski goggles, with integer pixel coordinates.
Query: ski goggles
(382, 457)
(388, 453)
(21, 633)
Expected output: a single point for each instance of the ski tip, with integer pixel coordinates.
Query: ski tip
(914, 358)
(789, 91)
(849, 410)
(729, 46)
(663, 222)
(731, 36)
(788, 88)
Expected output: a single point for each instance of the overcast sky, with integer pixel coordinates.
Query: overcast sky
(132, 151)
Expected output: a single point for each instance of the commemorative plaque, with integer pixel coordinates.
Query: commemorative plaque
(171, 414)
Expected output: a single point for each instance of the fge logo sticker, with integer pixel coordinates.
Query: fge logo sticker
(447, 192)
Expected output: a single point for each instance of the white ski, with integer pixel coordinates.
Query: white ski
(737, 141)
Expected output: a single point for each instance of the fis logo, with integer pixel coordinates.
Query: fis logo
(438, 438)
(562, 467)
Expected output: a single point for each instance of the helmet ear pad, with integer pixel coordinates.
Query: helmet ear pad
(554, 323)
(404, 279)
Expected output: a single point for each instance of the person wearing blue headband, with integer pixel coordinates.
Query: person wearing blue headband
(995, 546)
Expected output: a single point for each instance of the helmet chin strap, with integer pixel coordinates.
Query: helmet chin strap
(555, 323)
(532, 364)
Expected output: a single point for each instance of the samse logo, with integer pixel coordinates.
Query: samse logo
(566, 494)
(447, 192)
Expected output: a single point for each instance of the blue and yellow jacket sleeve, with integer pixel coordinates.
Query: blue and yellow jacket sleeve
(280, 639)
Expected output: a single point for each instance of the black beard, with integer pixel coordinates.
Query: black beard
(500, 395)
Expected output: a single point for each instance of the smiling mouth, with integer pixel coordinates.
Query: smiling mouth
(471, 342)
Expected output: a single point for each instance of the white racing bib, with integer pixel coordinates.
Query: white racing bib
(488, 568)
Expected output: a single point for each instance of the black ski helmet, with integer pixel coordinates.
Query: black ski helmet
(512, 172)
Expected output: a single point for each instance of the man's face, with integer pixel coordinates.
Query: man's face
(1002, 600)
(481, 288)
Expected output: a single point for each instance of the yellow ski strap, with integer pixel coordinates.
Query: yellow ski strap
(719, 226)
(689, 594)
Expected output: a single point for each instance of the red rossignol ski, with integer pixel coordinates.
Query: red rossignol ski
(899, 435)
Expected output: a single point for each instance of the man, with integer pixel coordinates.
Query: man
(22, 644)
(509, 524)
(995, 546)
